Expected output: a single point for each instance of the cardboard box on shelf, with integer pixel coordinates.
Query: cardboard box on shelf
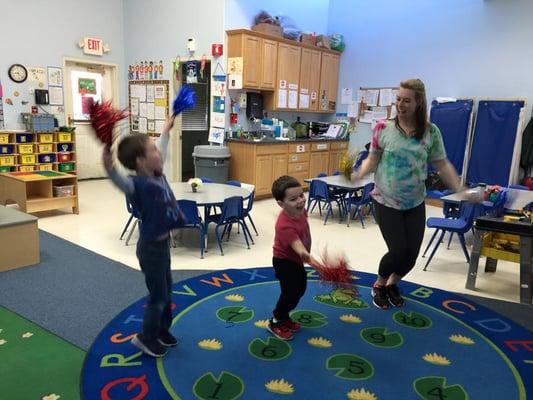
(307, 38)
(323, 41)
(269, 29)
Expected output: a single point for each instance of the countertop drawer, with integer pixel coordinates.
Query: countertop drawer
(319, 146)
(297, 167)
(299, 147)
(338, 145)
(298, 157)
(271, 149)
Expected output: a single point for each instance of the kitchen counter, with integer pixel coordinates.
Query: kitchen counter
(276, 141)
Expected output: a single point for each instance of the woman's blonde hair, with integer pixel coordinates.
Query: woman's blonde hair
(421, 113)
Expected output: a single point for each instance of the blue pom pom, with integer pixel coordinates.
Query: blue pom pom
(184, 100)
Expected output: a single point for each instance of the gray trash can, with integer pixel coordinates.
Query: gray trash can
(211, 162)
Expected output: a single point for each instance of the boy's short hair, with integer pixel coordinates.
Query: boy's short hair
(283, 183)
(131, 147)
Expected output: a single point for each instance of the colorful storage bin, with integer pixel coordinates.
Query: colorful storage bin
(45, 167)
(4, 138)
(46, 137)
(65, 146)
(63, 191)
(46, 158)
(64, 136)
(7, 161)
(46, 148)
(24, 137)
(25, 148)
(38, 122)
(66, 167)
(5, 169)
(27, 159)
(501, 246)
(6, 148)
(64, 157)
(26, 168)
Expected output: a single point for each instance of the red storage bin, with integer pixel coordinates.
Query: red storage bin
(64, 157)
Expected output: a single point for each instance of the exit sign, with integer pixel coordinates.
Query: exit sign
(93, 46)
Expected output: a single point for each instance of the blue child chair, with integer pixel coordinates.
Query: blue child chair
(192, 219)
(359, 202)
(232, 213)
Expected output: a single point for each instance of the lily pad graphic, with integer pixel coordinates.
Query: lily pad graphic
(342, 298)
(235, 314)
(350, 366)
(412, 320)
(273, 349)
(309, 319)
(435, 388)
(378, 336)
(226, 387)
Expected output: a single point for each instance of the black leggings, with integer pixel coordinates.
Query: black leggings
(293, 282)
(403, 231)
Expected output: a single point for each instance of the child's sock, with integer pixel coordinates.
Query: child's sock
(274, 320)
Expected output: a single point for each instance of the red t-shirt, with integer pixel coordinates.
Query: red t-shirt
(287, 231)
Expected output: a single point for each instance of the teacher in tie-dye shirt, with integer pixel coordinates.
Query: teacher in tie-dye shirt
(399, 153)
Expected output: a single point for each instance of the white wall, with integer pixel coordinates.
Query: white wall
(458, 48)
(40, 33)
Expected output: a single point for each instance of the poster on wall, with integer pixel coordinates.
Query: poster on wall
(55, 95)
(216, 135)
(148, 105)
(37, 75)
(218, 109)
(86, 86)
(55, 76)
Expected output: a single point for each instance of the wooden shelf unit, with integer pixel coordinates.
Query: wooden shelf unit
(27, 151)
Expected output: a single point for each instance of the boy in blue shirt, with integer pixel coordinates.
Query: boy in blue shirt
(151, 195)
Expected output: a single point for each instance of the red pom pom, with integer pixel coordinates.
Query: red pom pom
(334, 270)
(103, 119)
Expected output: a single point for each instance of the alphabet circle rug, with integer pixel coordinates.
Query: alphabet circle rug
(440, 346)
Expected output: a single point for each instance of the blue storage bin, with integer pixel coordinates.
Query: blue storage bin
(46, 158)
(64, 147)
(24, 137)
(6, 148)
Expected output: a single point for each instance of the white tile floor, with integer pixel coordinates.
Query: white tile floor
(103, 215)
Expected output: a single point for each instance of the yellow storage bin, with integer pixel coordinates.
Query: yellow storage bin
(7, 161)
(26, 168)
(27, 159)
(64, 137)
(4, 138)
(25, 148)
(46, 148)
(46, 137)
(45, 167)
(501, 246)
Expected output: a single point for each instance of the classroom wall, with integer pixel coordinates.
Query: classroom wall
(459, 48)
(40, 33)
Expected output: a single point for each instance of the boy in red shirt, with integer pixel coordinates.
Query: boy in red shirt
(292, 243)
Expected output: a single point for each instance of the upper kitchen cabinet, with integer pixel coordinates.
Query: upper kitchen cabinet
(292, 76)
(309, 79)
(329, 81)
(259, 57)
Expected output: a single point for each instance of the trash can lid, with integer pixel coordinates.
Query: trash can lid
(207, 151)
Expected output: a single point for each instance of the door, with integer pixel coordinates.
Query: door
(84, 80)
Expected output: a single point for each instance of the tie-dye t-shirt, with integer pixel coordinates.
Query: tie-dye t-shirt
(402, 170)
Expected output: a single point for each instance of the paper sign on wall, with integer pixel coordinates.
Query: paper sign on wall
(216, 135)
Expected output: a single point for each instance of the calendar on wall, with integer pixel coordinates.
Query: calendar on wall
(149, 106)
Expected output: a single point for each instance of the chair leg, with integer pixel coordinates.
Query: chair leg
(131, 231)
(463, 245)
(430, 241)
(244, 229)
(434, 249)
(330, 210)
(253, 225)
(126, 227)
(202, 241)
(218, 239)
(361, 217)
(450, 240)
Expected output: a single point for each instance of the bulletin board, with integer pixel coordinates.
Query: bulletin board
(149, 106)
(376, 103)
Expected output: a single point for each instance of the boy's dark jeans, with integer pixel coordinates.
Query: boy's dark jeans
(154, 259)
(293, 282)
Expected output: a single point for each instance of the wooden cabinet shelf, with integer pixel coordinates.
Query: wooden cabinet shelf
(292, 76)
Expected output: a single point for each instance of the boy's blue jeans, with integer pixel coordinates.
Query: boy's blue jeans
(154, 259)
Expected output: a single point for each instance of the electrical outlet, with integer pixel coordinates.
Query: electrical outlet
(242, 100)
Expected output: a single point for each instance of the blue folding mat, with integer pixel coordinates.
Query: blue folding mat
(453, 120)
(495, 138)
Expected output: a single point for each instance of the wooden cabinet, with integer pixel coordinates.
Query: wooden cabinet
(309, 80)
(329, 80)
(262, 163)
(259, 59)
(337, 150)
(307, 73)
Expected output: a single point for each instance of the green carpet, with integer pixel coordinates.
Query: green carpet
(36, 363)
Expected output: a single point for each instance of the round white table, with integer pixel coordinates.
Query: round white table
(210, 194)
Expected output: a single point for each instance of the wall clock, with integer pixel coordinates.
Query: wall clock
(18, 73)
